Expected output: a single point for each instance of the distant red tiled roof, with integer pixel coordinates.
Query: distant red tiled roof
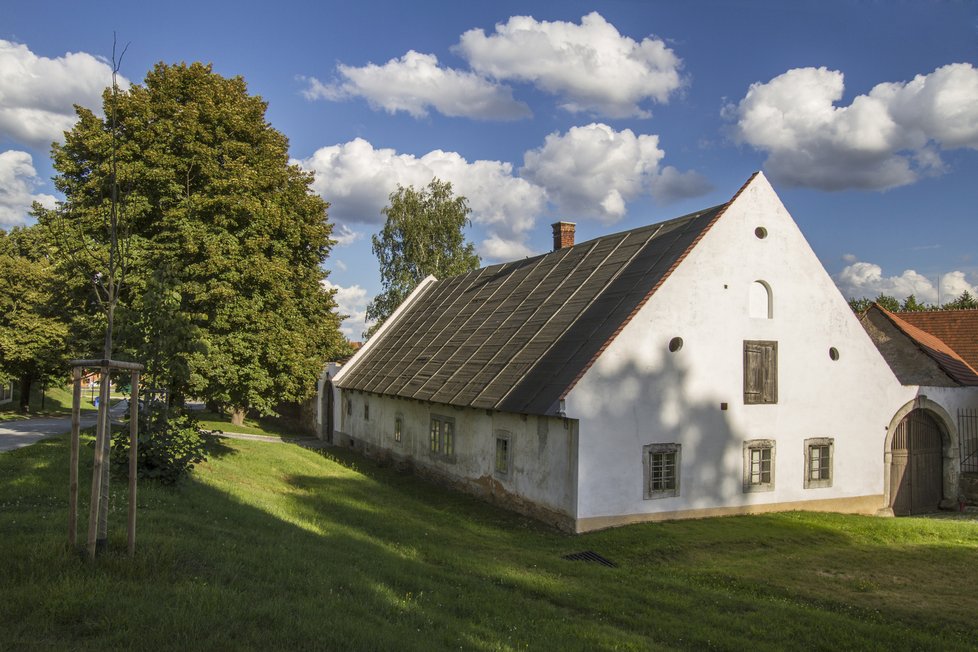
(956, 328)
(949, 360)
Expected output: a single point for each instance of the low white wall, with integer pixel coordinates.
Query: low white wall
(543, 449)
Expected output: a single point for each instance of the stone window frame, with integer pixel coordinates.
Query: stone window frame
(648, 471)
(441, 440)
(506, 438)
(820, 443)
(763, 391)
(752, 485)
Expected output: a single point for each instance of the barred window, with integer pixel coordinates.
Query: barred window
(661, 470)
(502, 455)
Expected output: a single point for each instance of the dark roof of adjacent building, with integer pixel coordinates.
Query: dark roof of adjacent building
(956, 328)
(935, 348)
(517, 336)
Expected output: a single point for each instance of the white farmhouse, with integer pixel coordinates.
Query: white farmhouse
(702, 366)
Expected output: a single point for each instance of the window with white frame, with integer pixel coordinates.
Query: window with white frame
(503, 453)
(442, 437)
(758, 465)
(819, 456)
(398, 428)
(662, 463)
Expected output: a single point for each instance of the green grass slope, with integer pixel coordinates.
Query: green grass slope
(271, 546)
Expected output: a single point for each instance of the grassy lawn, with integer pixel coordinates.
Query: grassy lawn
(272, 546)
(57, 402)
(269, 426)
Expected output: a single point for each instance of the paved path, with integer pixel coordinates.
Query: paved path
(17, 434)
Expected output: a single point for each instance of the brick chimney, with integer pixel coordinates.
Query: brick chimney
(563, 235)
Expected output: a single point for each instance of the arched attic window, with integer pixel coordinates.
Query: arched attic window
(761, 300)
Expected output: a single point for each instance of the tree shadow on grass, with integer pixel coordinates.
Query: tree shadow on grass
(332, 558)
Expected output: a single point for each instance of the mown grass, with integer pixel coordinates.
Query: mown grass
(56, 402)
(273, 546)
(270, 426)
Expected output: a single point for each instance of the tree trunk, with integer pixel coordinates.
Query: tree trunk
(238, 416)
(25, 393)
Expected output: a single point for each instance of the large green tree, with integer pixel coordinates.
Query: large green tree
(423, 235)
(226, 239)
(34, 331)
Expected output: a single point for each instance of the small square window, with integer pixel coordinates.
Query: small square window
(819, 456)
(661, 466)
(758, 465)
(441, 440)
(398, 428)
(502, 455)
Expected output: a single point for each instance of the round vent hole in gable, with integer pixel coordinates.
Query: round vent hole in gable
(675, 344)
(760, 232)
(833, 353)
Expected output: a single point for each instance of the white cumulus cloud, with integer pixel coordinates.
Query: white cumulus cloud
(866, 280)
(415, 82)
(591, 66)
(594, 171)
(351, 301)
(890, 137)
(345, 236)
(357, 179)
(37, 94)
(18, 181)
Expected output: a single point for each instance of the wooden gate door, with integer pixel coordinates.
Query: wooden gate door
(917, 465)
(328, 410)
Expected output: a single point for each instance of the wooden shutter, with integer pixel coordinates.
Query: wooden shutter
(760, 372)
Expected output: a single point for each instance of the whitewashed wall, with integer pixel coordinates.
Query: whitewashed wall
(639, 393)
(543, 449)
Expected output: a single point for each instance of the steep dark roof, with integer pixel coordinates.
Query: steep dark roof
(946, 357)
(517, 336)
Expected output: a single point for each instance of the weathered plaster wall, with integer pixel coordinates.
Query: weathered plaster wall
(639, 393)
(542, 477)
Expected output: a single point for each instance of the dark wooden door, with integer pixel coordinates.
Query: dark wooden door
(328, 409)
(917, 465)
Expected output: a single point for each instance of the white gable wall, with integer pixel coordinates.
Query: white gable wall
(638, 393)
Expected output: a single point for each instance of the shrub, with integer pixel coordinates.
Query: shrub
(168, 447)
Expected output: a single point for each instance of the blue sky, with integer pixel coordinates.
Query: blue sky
(864, 115)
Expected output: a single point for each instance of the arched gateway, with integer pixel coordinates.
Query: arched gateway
(921, 459)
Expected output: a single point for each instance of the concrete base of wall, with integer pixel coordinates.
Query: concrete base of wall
(859, 505)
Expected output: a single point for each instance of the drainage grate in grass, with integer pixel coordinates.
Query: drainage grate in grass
(589, 555)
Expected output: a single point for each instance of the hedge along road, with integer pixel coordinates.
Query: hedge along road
(17, 434)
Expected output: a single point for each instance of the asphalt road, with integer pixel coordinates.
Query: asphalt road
(17, 434)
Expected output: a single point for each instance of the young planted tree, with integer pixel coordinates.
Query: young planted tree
(212, 199)
(423, 235)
